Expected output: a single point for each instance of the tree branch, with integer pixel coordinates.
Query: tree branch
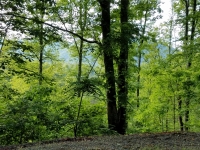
(75, 34)
(55, 27)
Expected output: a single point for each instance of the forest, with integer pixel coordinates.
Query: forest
(73, 68)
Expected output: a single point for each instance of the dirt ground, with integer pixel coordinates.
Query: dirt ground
(145, 141)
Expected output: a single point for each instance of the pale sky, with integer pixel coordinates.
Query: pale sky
(166, 7)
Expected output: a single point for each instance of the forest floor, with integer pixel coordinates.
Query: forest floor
(145, 141)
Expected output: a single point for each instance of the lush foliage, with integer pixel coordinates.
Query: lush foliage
(61, 71)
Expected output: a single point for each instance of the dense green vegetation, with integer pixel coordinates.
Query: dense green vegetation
(121, 73)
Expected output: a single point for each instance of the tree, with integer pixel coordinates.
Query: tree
(123, 68)
(109, 66)
(189, 52)
(189, 20)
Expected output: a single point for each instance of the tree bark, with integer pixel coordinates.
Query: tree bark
(123, 70)
(109, 66)
(189, 53)
(41, 55)
(180, 115)
(41, 41)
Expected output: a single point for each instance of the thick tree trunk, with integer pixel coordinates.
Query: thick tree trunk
(109, 66)
(123, 70)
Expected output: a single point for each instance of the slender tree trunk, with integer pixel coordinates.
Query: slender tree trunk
(166, 118)
(170, 51)
(194, 19)
(171, 29)
(174, 113)
(78, 114)
(139, 61)
(123, 70)
(189, 53)
(109, 66)
(80, 59)
(3, 38)
(41, 55)
(189, 64)
(138, 79)
(41, 45)
(187, 101)
(82, 24)
(180, 115)
(80, 94)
